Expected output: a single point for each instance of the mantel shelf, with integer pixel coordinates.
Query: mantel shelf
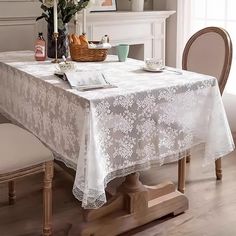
(126, 15)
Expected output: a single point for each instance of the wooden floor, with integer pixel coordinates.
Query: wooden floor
(212, 204)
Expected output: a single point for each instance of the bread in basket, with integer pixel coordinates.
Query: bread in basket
(80, 51)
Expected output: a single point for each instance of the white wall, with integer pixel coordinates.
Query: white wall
(171, 29)
(18, 28)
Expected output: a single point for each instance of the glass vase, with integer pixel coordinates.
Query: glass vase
(62, 42)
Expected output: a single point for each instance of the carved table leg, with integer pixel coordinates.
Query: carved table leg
(188, 156)
(47, 199)
(218, 169)
(133, 206)
(11, 192)
(181, 174)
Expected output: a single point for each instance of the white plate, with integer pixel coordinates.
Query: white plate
(153, 70)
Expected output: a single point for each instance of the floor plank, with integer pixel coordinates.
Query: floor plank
(212, 204)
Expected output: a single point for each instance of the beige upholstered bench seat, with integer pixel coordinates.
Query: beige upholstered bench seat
(20, 149)
(22, 155)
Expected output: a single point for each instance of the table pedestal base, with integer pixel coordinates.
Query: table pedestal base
(134, 205)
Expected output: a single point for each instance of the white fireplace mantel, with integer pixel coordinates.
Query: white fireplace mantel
(146, 29)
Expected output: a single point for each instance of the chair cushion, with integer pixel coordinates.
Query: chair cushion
(20, 149)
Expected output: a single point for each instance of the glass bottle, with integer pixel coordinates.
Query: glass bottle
(40, 48)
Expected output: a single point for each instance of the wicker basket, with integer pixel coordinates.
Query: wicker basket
(84, 54)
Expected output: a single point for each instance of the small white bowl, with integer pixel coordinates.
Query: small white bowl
(66, 66)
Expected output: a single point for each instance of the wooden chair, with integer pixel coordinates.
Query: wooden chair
(209, 51)
(21, 155)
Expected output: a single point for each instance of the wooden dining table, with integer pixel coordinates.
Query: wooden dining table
(146, 119)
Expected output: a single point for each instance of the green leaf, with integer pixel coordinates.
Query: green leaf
(42, 16)
(62, 4)
(60, 24)
(39, 18)
(44, 7)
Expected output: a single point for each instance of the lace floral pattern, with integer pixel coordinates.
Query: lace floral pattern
(103, 134)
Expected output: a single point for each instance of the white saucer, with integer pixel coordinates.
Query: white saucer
(153, 70)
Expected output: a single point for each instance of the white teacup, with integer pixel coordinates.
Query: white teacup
(66, 66)
(154, 63)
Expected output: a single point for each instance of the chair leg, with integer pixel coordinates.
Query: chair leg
(188, 156)
(47, 199)
(181, 174)
(11, 192)
(218, 169)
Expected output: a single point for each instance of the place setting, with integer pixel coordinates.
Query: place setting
(156, 65)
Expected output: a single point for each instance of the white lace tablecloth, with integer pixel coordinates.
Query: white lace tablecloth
(103, 134)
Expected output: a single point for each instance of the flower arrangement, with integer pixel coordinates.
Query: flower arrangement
(66, 10)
